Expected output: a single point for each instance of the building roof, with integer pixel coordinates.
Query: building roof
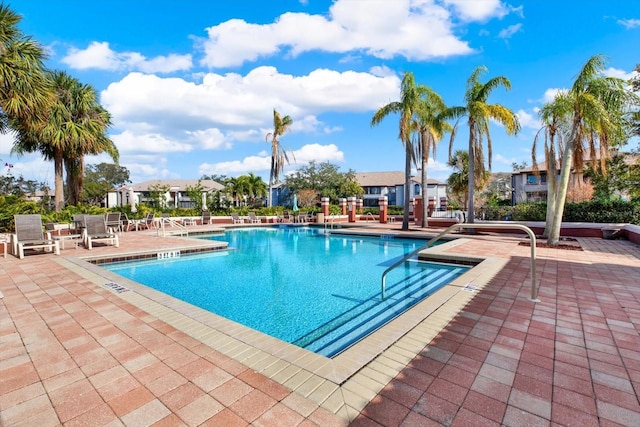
(174, 184)
(386, 179)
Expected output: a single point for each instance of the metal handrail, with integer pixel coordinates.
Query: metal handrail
(173, 223)
(329, 218)
(532, 237)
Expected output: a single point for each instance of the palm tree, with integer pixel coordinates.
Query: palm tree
(479, 113)
(256, 187)
(458, 181)
(96, 120)
(24, 89)
(430, 125)
(598, 105)
(75, 125)
(279, 155)
(554, 116)
(410, 99)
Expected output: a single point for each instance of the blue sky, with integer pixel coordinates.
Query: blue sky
(192, 85)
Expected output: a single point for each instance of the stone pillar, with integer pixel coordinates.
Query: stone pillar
(417, 210)
(384, 204)
(359, 205)
(343, 205)
(351, 202)
(324, 203)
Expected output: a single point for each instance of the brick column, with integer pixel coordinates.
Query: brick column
(343, 205)
(417, 210)
(432, 205)
(384, 204)
(351, 202)
(359, 205)
(324, 203)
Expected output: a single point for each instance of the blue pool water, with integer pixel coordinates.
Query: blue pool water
(319, 292)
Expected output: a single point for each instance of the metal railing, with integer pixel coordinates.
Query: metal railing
(329, 219)
(182, 230)
(532, 237)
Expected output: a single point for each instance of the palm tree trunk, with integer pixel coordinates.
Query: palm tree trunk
(58, 181)
(552, 185)
(425, 192)
(563, 185)
(472, 169)
(407, 185)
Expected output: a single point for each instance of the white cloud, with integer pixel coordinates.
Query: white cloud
(210, 139)
(318, 153)
(550, 94)
(231, 102)
(508, 32)
(236, 167)
(528, 120)
(414, 29)
(129, 142)
(621, 74)
(262, 162)
(479, 10)
(99, 55)
(629, 23)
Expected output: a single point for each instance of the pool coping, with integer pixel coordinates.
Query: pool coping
(343, 384)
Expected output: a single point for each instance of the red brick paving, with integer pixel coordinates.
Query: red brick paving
(72, 353)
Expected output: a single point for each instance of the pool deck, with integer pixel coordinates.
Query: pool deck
(75, 350)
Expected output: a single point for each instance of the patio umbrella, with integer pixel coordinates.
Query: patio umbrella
(295, 202)
(132, 199)
(204, 201)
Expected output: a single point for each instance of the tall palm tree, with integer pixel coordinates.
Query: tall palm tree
(279, 155)
(598, 106)
(24, 89)
(479, 113)
(430, 125)
(74, 126)
(410, 98)
(555, 119)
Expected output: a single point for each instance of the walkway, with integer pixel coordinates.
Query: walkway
(76, 353)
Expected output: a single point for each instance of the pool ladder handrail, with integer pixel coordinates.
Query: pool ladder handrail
(532, 237)
(331, 218)
(172, 223)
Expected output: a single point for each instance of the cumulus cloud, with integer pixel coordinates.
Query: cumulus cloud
(550, 94)
(621, 74)
(528, 120)
(262, 162)
(381, 28)
(98, 55)
(128, 141)
(233, 102)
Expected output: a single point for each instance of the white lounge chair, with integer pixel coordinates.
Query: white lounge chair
(29, 235)
(96, 231)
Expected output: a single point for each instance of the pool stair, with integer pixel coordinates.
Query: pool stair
(419, 281)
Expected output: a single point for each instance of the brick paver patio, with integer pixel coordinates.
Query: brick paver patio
(77, 354)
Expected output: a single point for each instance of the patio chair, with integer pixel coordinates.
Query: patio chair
(29, 235)
(236, 219)
(148, 221)
(253, 219)
(125, 223)
(112, 220)
(96, 230)
(206, 217)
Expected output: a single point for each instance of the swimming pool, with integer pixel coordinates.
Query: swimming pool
(320, 292)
